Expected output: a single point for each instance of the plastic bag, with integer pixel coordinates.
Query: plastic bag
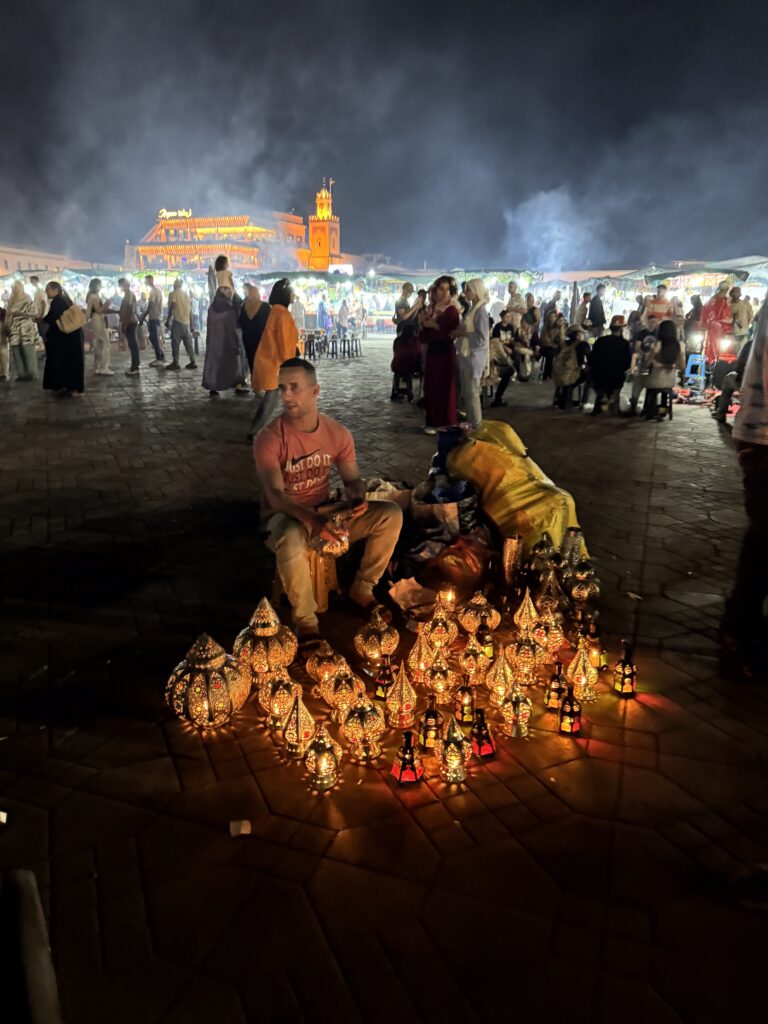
(463, 563)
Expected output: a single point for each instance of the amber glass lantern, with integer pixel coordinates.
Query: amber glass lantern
(384, 678)
(471, 613)
(430, 725)
(363, 727)
(555, 633)
(499, 677)
(341, 691)
(281, 697)
(526, 616)
(375, 639)
(595, 647)
(551, 594)
(264, 645)
(401, 702)
(322, 760)
(420, 657)
(474, 661)
(581, 674)
(442, 629)
(453, 751)
(323, 662)
(267, 683)
(441, 679)
(526, 656)
(555, 689)
(408, 767)
(569, 717)
(586, 588)
(483, 743)
(208, 686)
(515, 711)
(625, 673)
(464, 704)
(299, 726)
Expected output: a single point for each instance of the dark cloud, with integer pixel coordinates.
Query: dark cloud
(484, 134)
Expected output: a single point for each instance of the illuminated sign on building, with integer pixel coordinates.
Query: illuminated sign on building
(173, 214)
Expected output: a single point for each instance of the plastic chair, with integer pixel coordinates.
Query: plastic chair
(695, 370)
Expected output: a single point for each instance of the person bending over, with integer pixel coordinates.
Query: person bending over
(294, 456)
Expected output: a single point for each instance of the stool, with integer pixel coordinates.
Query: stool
(322, 570)
(356, 349)
(695, 370)
(345, 346)
(333, 347)
(309, 346)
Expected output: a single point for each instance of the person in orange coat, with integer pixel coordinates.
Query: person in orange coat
(280, 341)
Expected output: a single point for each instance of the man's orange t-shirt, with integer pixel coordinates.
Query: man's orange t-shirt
(304, 459)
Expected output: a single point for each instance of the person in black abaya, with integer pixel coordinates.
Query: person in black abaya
(64, 358)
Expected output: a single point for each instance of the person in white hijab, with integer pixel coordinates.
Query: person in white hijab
(472, 350)
(21, 329)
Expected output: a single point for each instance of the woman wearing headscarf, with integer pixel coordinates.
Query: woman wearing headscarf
(280, 341)
(252, 321)
(21, 328)
(667, 357)
(473, 349)
(64, 360)
(95, 310)
(437, 329)
(222, 369)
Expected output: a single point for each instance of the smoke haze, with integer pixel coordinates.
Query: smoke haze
(496, 135)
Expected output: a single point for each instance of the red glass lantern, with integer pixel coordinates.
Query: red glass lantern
(483, 743)
(408, 767)
(464, 705)
(569, 718)
(385, 677)
(625, 674)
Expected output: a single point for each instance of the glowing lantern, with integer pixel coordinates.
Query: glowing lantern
(464, 705)
(441, 680)
(323, 662)
(555, 635)
(322, 760)
(541, 554)
(572, 547)
(586, 588)
(407, 767)
(341, 691)
(363, 726)
(499, 677)
(555, 689)
(281, 696)
(625, 674)
(525, 657)
(595, 647)
(512, 557)
(470, 614)
(298, 727)
(515, 711)
(484, 636)
(266, 684)
(420, 657)
(581, 674)
(483, 743)
(526, 616)
(473, 660)
(551, 594)
(264, 645)
(376, 639)
(208, 686)
(453, 751)
(430, 725)
(441, 630)
(385, 677)
(569, 718)
(401, 701)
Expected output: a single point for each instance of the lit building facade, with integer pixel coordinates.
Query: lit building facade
(178, 241)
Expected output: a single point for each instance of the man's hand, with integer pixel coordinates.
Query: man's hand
(357, 508)
(322, 526)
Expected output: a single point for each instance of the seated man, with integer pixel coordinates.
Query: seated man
(294, 456)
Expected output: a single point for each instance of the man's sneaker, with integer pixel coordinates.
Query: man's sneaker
(173, 366)
(191, 366)
(157, 362)
(105, 373)
(133, 372)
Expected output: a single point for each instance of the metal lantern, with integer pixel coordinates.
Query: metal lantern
(208, 686)
(290, 643)
(363, 726)
(385, 677)
(499, 677)
(474, 661)
(551, 594)
(595, 647)
(625, 673)
(341, 691)
(470, 614)
(526, 616)
(322, 760)
(581, 674)
(464, 705)
(430, 725)
(264, 645)
(483, 743)
(484, 636)
(511, 559)
(541, 553)
(453, 751)
(515, 711)
(323, 662)
(572, 547)
(420, 657)
(441, 630)
(265, 621)
(401, 701)
(375, 639)
(555, 689)
(569, 717)
(586, 588)
(555, 633)
(564, 570)
(267, 682)
(281, 697)
(408, 767)
(299, 726)
(441, 680)
(526, 656)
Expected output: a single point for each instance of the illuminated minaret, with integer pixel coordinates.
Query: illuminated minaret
(324, 230)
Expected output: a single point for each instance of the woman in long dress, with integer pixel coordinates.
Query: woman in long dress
(222, 369)
(21, 328)
(473, 349)
(95, 310)
(64, 359)
(437, 329)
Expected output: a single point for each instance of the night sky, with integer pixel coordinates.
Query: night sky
(552, 135)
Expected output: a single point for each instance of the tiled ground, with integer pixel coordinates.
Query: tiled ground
(582, 880)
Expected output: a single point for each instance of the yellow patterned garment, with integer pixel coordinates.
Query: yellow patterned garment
(515, 493)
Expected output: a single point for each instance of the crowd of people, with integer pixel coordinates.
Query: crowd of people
(448, 340)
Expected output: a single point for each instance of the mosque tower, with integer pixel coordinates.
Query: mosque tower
(324, 230)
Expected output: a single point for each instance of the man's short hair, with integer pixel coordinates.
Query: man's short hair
(221, 262)
(297, 363)
(587, 295)
(149, 277)
(34, 279)
(122, 282)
